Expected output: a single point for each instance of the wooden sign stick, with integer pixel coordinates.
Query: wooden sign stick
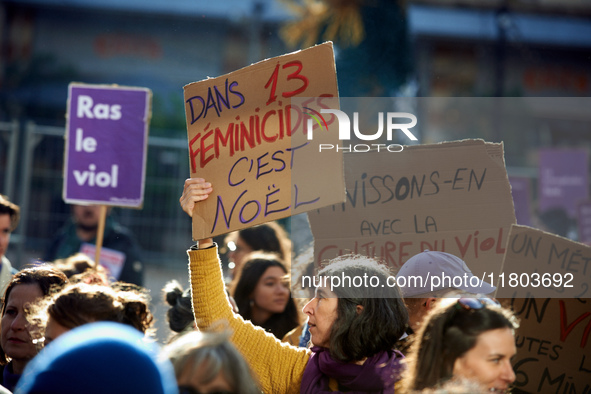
(99, 235)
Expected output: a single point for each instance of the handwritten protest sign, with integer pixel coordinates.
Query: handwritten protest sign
(106, 144)
(241, 129)
(553, 345)
(453, 197)
(540, 264)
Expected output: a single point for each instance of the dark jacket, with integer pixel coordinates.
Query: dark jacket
(8, 380)
(116, 237)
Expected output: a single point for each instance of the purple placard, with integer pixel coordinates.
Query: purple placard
(564, 179)
(106, 145)
(584, 222)
(520, 190)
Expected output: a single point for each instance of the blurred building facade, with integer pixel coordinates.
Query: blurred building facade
(458, 49)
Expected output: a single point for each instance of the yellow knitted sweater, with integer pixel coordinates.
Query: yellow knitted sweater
(278, 366)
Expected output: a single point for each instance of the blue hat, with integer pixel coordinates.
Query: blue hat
(419, 271)
(103, 357)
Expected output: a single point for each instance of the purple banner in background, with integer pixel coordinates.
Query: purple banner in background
(106, 140)
(584, 222)
(520, 190)
(564, 179)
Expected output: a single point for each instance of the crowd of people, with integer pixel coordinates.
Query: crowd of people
(70, 326)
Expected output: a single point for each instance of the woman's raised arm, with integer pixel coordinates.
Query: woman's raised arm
(278, 367)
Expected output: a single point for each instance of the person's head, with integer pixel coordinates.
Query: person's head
(358, 310)
(81, 268)
(97, 358)
(209, 363)
(25, 288)
(268, 237)
(180, 315)
(464, 338)
(555, 221)
(87, 217)
(417, 289)
(81, 303)
(262, 294)
(9, 217)
(418, 308)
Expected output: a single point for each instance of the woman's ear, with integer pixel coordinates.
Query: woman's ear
(359, 309)
(430, 303)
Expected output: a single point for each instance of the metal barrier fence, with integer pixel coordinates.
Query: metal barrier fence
(31, 174)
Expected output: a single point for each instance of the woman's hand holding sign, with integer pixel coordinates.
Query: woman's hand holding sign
(195, 190)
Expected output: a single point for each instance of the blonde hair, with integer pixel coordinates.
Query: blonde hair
(211, 354)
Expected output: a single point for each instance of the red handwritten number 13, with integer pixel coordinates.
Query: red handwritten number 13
(294, 75)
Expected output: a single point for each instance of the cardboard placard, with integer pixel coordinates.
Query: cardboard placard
(112, 260)
(553, 345)
(106, 144)
(241, 140)
(540, 264)
(453, 197)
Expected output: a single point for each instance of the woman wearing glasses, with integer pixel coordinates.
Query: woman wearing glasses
(464, 339)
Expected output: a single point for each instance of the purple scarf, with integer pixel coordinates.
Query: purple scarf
(377, 374)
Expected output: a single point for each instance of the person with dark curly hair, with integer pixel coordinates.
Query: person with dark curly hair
(180, 314)
(81, 268)
(80, 303)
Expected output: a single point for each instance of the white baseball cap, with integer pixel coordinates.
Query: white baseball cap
(428, 264)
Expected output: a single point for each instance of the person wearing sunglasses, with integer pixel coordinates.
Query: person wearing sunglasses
(470, 339)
